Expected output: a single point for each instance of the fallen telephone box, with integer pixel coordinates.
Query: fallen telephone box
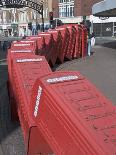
(71, 114)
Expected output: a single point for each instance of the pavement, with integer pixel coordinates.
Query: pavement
(11, 139)
(100, 69)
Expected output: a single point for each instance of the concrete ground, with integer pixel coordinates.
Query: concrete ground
(11, 139)
(100, 69)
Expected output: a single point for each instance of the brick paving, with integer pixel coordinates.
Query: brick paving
(100, 68)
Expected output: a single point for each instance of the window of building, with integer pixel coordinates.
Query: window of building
(66, 10)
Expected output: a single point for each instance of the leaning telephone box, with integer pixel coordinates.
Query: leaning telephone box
(71, 43)
(47, 38)
(24, 45)
(57, 44)
(10, 57)
(26, 70)
(73, 116)
(77, 49)
(78, 44)
(65, 35)
(84, 40)
(41, 46)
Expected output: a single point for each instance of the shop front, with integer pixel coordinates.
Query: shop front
(106, 11)
(23, 29)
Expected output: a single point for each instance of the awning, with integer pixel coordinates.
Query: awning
(106, 8)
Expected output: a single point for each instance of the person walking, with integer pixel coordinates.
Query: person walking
(1, 41)
(89, 43)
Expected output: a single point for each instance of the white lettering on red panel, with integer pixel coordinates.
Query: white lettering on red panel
(21, 51)
(29, 60)
(27, 41)
(61, 79)
(37, 101)
(44, 34)
(21, 45)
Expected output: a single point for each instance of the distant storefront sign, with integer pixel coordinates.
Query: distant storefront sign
(103, 18)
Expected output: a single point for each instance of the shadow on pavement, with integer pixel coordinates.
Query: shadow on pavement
(111, 45)
(11, 139)
(3, 54)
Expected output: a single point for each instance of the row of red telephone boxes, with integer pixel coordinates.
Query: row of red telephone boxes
(60, 113)
(65, 42)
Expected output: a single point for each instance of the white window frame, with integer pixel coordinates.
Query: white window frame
(66, 5)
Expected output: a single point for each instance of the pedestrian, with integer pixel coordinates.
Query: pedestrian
(1, 41)
(89, 43)
(89, 47)
(92, 40)
(5, 44)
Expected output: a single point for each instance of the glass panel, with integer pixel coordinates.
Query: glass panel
(68, 11)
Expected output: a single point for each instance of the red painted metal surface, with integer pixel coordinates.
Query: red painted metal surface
(84, 40)
(56, 47)
(78, 45)
(32, 37)
(26, 69)
(47, 47)
(28, 40)
(65, 35)
(10, 56)
(54, 109)
(12, 52)
(81, 41)
(25, 46)
(73, 116)
(72, 42)
(41, 45)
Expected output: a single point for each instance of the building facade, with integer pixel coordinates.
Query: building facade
(84, 7)
(12, 19)
(72, 11)
(68, 11)
(107, 9)
(66, 8)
